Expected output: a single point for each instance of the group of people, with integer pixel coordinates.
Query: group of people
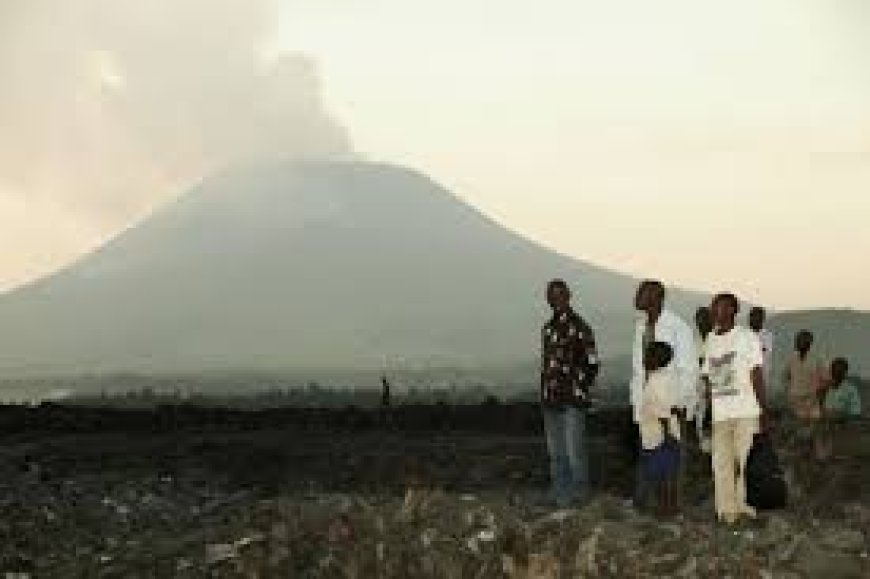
(709, 383)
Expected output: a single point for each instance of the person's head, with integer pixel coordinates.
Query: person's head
(756, 318)
(558, 295)
(803, 342)
(839, 370)
(704, 320)
(657, 356)
(650, 296)
(724, 310)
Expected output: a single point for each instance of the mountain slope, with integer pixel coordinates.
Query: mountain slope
(305, 267)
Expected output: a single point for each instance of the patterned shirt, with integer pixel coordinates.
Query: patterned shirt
(569, 360)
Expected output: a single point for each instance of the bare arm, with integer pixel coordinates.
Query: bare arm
(666, 428)
(823, 382)
(708, 387)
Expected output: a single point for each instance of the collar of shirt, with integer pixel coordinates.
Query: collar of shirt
(557, 317)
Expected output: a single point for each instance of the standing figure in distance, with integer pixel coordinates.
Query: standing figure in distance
(757, 320)
(804, 378)
(842, 406)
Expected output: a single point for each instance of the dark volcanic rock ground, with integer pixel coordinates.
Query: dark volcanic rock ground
(248, 497)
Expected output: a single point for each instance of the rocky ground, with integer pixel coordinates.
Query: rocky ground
(280, 502)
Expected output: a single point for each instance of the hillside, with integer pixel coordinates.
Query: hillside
(306, 267)
(838, 332)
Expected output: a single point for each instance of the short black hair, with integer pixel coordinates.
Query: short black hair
(840, 363)
(654, 285)
(557, 283)
(804, 334)
(729, 297)
(659, 353)
(758, 310)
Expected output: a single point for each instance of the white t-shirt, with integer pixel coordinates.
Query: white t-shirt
(728, 365)
(658, 394)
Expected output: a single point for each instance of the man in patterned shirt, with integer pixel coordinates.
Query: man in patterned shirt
(569, 366)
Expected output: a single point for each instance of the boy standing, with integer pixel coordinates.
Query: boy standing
(733, 370)
(660, 428)
(569, 366)
(842, 404)
(842, 400)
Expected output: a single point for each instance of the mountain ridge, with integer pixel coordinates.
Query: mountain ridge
(289, 267)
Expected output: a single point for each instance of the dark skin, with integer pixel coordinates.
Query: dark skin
(385, 392)
(724, 314)
(667, 491)
(756, 319)
(704, 321)
(803, 343)
(559, 298)
(650, 301)
(838, 374)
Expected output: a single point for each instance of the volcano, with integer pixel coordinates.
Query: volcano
(307, 266)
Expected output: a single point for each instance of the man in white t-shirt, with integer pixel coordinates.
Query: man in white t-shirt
(733, 371)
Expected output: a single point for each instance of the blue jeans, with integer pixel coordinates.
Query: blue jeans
(565, 429)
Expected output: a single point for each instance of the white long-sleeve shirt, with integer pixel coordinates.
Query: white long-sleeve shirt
(671, 329)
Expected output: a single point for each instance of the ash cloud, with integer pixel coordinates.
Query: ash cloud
(111, 106)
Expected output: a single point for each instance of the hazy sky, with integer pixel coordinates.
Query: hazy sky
(712, 144)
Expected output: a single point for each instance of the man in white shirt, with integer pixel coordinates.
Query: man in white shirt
(733, 371)
(757, 318)
(703, 327)
(658, 324)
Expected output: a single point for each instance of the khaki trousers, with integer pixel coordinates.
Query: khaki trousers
(732, 441)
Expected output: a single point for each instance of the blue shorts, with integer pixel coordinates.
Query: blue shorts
(661, 463)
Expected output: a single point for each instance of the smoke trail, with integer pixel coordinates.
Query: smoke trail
(109, 106)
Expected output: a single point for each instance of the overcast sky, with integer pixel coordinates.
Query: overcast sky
(712, 144)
